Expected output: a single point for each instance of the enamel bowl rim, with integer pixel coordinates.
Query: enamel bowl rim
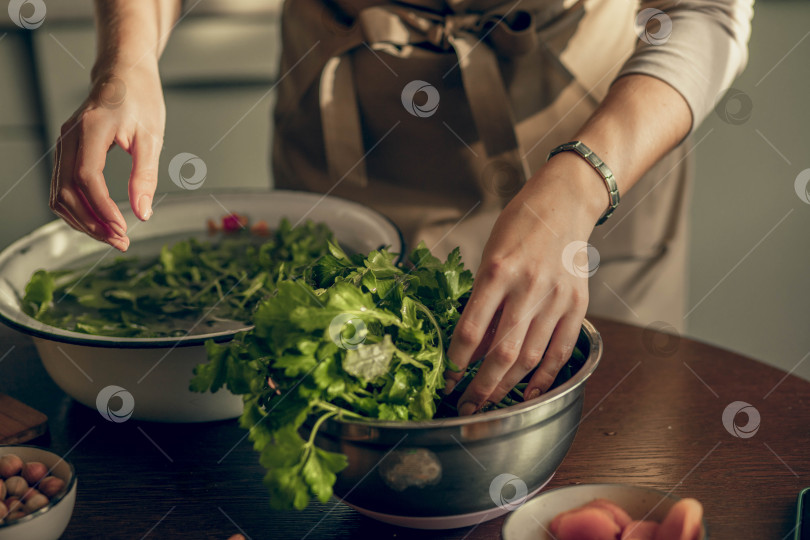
(19, 320)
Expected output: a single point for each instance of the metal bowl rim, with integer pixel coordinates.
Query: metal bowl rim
(569, 386)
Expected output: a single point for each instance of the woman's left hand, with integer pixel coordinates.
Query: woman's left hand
(531, 289)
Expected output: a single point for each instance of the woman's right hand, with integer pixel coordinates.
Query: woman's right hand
(125, 107)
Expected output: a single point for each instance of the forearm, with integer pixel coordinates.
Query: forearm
(640, 121)
(701, 55)
(132, 33)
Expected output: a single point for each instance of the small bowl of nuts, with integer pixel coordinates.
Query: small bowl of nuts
(37, 493)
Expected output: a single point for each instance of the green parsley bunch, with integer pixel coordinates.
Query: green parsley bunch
(356, 337)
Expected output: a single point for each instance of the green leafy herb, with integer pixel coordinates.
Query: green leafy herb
(192, 286)
(39, 293)
(335, 335)
(357, 338)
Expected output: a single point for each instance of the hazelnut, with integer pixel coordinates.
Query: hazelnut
(15, 515)
(16, 486)
(34, 471)
(51, 486)
(35, 502)
(10, 465)
(13, 503)
(30, 492)
(3, 511)
(2, 490)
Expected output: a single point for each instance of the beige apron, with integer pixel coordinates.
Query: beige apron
(513, 80)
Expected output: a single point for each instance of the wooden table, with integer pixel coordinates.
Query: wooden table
(652, 417)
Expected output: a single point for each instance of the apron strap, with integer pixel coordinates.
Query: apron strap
(489, 103)
(340, 120)
(473, 37)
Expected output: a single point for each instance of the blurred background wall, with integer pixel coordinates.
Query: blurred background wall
(750, 254)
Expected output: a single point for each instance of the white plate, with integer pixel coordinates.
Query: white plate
(531, 521)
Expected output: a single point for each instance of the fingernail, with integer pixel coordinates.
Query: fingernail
(535, 392)
(117, 229)
(466, 409)
(145, 207)
(449, 384)
(121, 244)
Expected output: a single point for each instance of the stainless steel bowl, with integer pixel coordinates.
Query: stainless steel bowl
(150, 376)
(456, 472)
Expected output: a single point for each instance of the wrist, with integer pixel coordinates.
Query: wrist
(120, 65)
(577, 185)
